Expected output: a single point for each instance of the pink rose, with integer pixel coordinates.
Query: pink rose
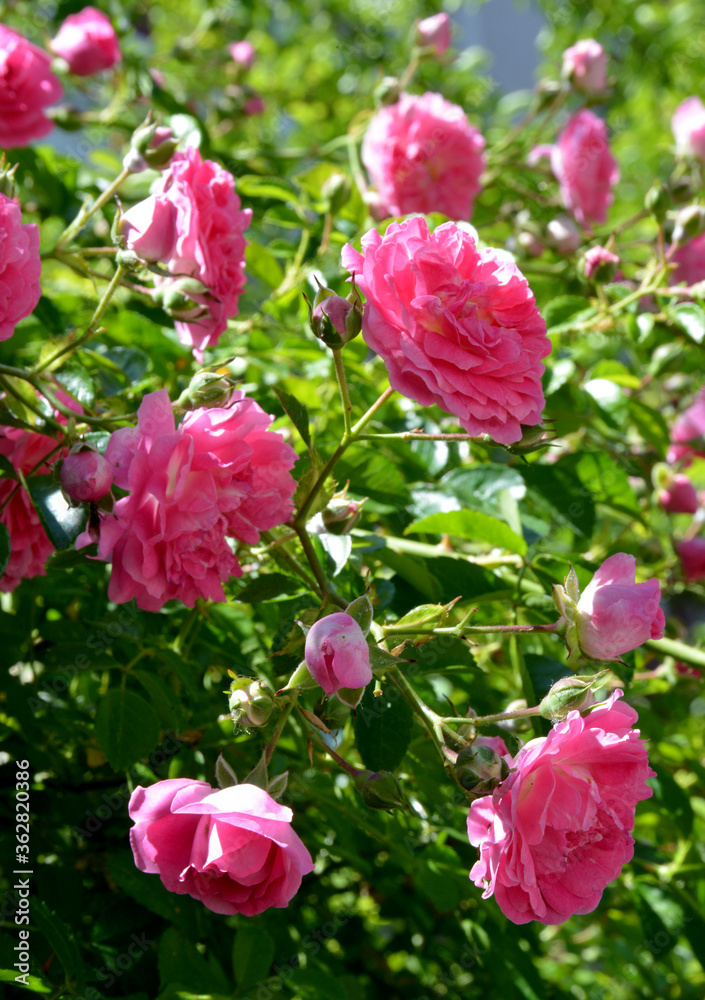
(220, 473)
(454, 325)
(210, 245)
(584, 167)
(20, 267)
(149, 229)
(243, 53)
(691, 553)
(86, 475)
(688, 432)
(690, 261)
(29, 545)
(87, 42)
(598, 259)
(679, 496)
(688, 124)
(337, 654)
(585, 65)
(27, 86)
(615, 613)
(233, 849)
(556, 832)
(434, 33)
(423, 155)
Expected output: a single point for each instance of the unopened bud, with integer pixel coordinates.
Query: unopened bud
(387, 91)
(680, 187)
(531, 440)
(380, 790)
(570, 694)
(7, 178)
(479, 769)
(152, 145)
(337, 190)
(336, 320)
(86, 475)
(599, 264)
(250, 702)
(657, 201)
(178, 297)
(341, 517)
(206, 389)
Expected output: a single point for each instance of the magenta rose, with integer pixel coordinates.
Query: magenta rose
(29, 545)
(454, 325)
(220, 473)
(423, 155)
(690, 261)
(584, 167)
(20, 267)
(210, 244)
(434, 33)
(679, 496)
(556, 832)
(691, 553)
(615, 613)
(688, 433)
(233, 849)
(688, 124)
(585, 65)
(87, 42)
(337, 655)
(27, 86)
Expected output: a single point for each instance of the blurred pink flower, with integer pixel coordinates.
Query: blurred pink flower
(597, 258)
(688, 124)
(585, 65)
(454, 325)
(556, 832)
(615, 613)
(423, 155)
(20, 267)
(679, 496)
(87, 41)
(233, 849)
(434, 32)
(583, 166)
(691, 553)
(243, 53)
(210, 244)
(27, 86)
(220, 473)
(690, 261)
(688, 433)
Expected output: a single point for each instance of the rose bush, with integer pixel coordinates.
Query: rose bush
(231, 848)
(557, 831)
(423, 155)
(454, 325)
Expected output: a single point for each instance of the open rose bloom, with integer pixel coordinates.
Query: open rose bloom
(556, 832)
(423, 155)
(454, 325)
(88, 43)
(233, 849)
(221, 473)
(20, 267)
(27, 86)
(583, 166)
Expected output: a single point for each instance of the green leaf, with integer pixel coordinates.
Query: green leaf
(439, 877)
(63, 524)
(690, 318)
(59, 938)
(544, 671)
(166, 704)
(482, 482)
(560, 489)
(5, 548)
(414, 571)
(268, 587)
(253, 954)
(253, 186)
(148, 891)
(263, 265)
(126, 728)
(181, 963)
(473, 525)
(383, 728)
(673, 800)
(34, 983)
(563, 311)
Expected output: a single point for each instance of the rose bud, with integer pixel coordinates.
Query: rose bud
(338, 657)
(480, 768)
(434, 33)
(615, 613)
(207, 389)
(86, 475)
(87, 42)
(690, 221)
(380, 790)
(570, 694)
(341, 516)
(149, 229)
(599, 264)
(676, 492)
(585, 66)
(152, 145)
(336, 320)
(691, 553)
(250, 702)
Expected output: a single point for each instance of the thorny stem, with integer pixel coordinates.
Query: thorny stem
(340, 761)
(461, 630)
(487, 720)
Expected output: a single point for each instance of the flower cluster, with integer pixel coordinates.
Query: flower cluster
(221, 473)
